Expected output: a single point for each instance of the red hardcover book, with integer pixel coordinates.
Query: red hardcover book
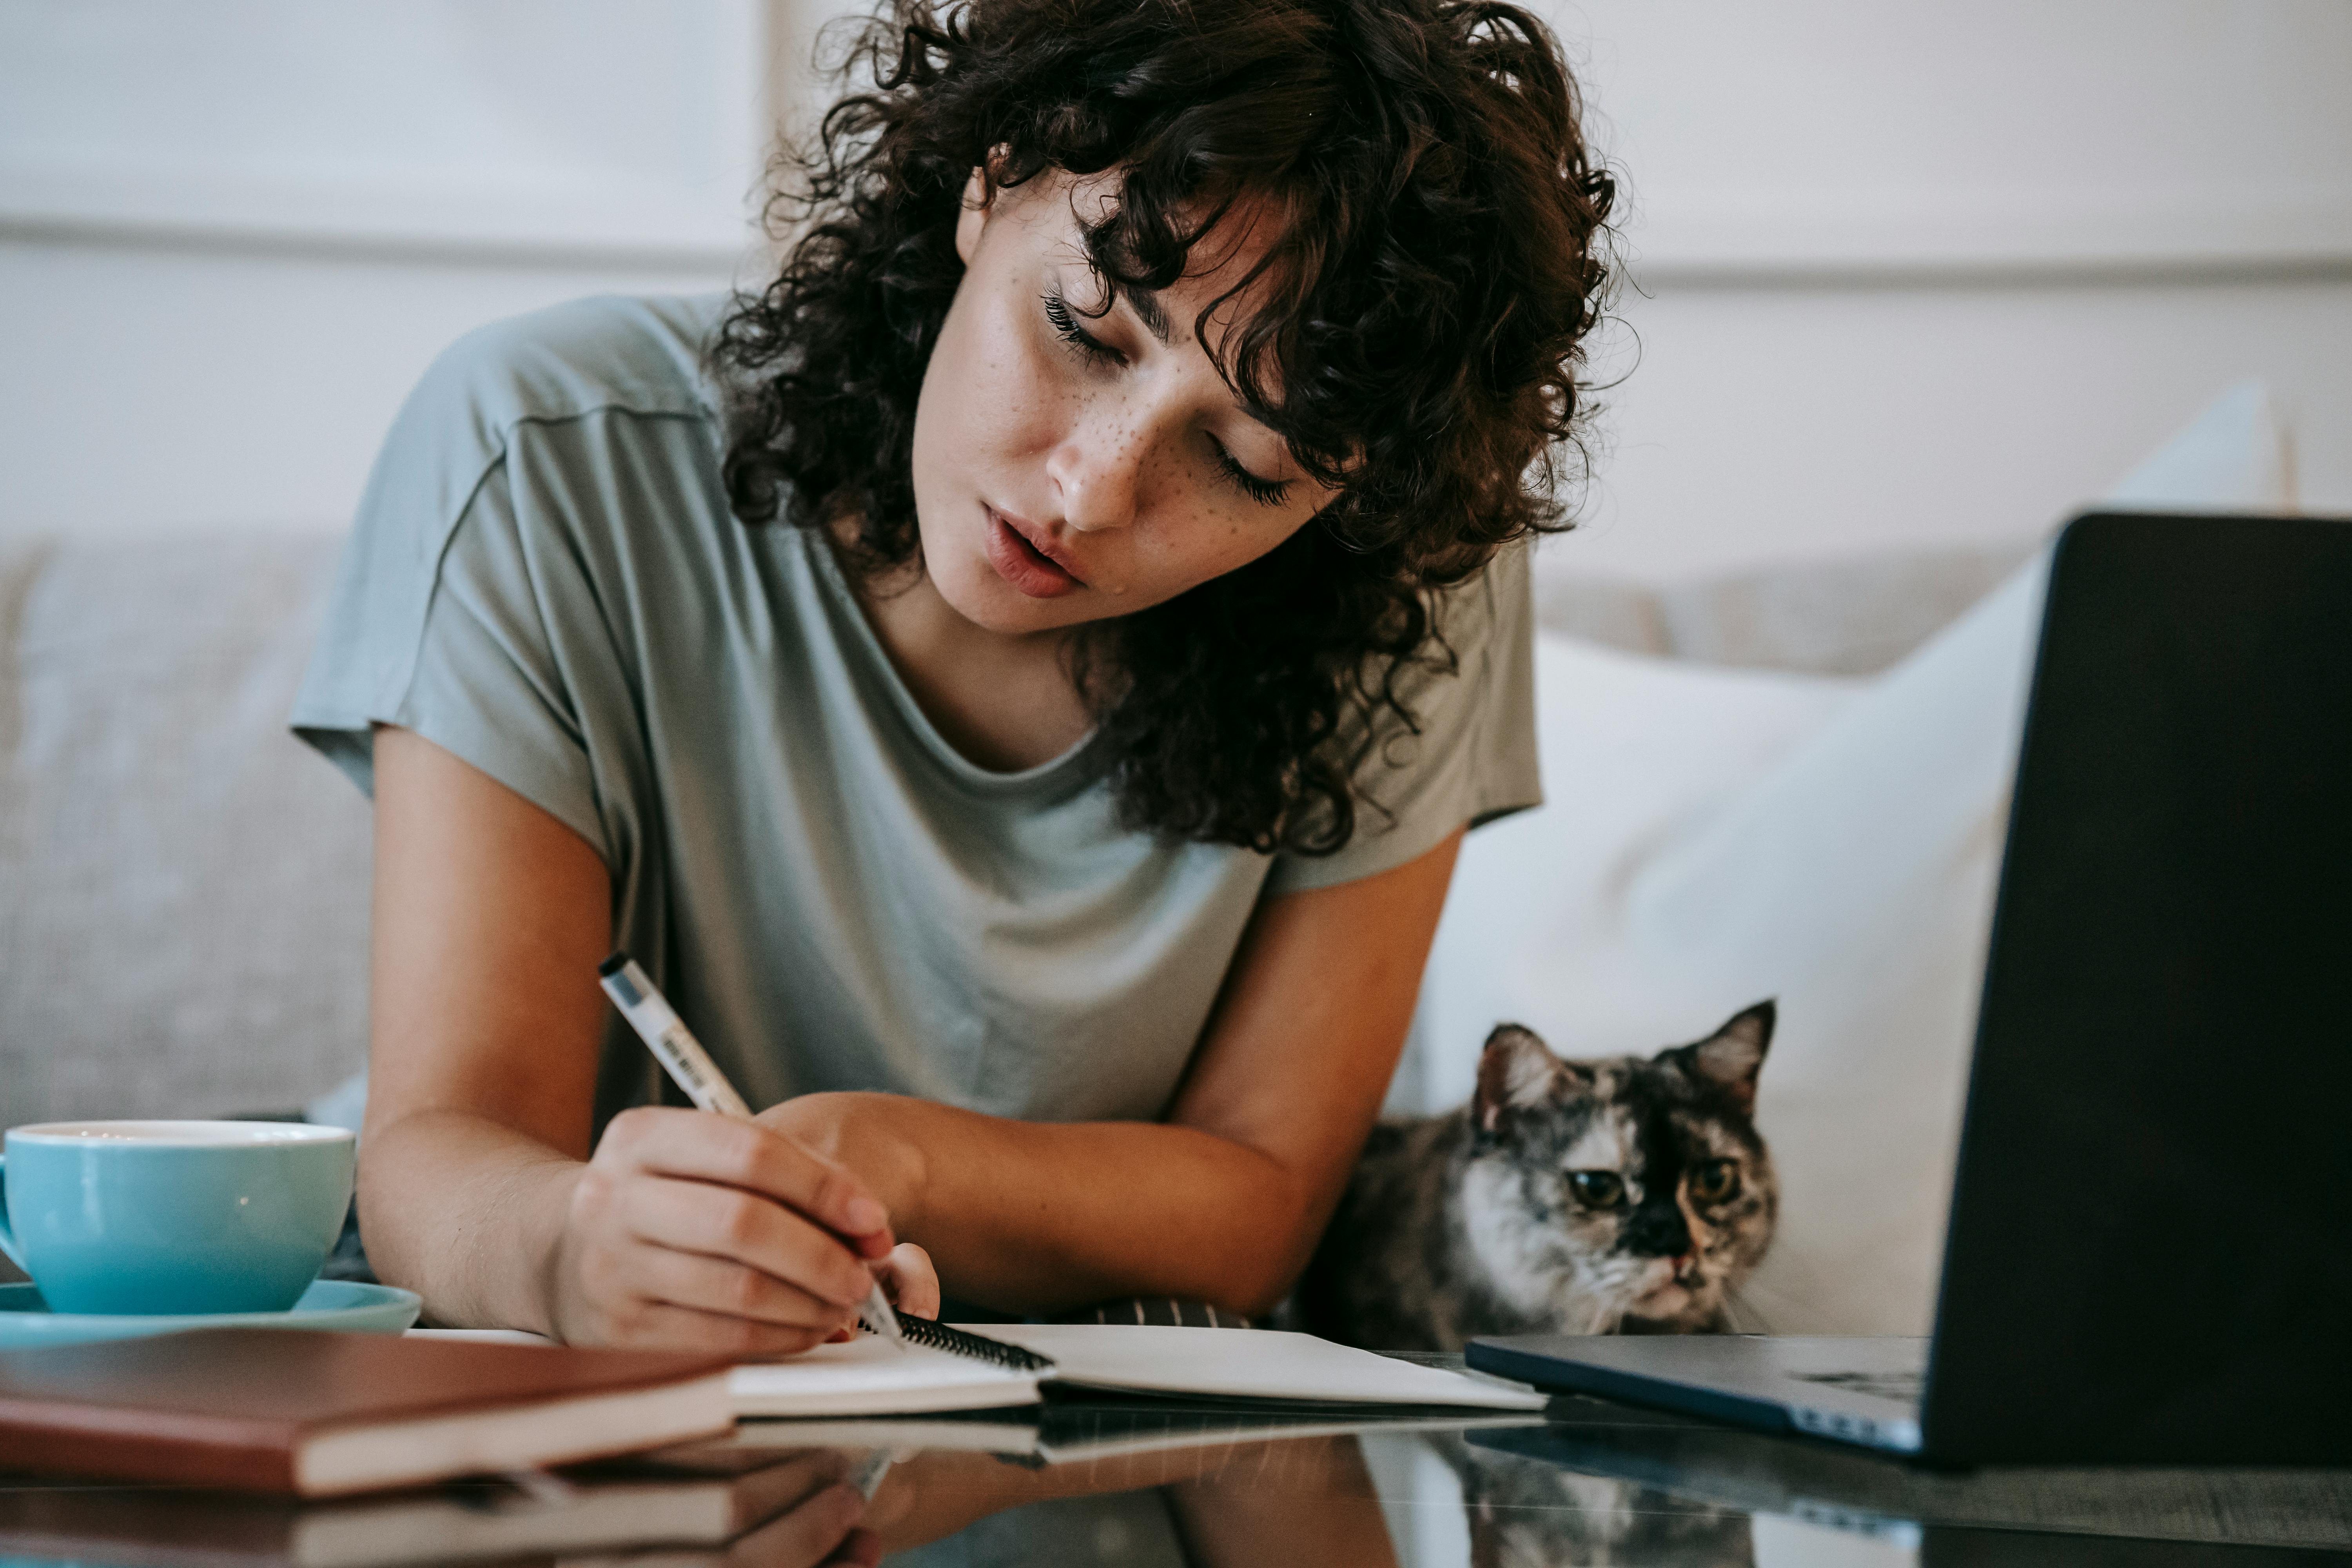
(319, 1415)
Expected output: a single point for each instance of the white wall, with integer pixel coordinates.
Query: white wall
(232, 237)
(150, 387)
(1925, 273)
(1905, 272)
(1765, 421)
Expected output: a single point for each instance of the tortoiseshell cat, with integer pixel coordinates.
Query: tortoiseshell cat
(1621, 1196)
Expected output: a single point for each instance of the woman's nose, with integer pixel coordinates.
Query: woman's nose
(1098, 467)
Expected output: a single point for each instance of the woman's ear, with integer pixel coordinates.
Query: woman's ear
(973, 218)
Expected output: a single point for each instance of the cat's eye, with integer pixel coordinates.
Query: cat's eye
(1597, 1189)
(1712, 1181)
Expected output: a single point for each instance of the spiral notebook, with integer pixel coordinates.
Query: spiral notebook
(940, 1368)
(944, 1367)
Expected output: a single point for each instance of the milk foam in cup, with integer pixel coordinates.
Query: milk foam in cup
(146, 1217)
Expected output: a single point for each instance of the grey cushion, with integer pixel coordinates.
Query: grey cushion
(183, 886)
(1854, 616)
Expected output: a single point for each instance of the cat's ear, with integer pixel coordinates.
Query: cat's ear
(1731, 1057)
(1517, 1071)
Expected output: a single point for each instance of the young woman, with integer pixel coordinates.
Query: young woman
(1017, 684)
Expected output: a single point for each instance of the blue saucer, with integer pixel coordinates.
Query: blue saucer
(27, 1322)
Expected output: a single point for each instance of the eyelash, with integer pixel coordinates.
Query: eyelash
(1065, 326)
(1265, 492)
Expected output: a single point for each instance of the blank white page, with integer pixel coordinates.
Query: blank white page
(1250, 1363)
(869, 1375)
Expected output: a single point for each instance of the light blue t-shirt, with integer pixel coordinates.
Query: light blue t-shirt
(545, 580)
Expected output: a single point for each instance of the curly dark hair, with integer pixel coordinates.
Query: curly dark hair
(1417, 344)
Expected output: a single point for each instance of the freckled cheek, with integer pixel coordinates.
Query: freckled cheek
(1020, 430)
(1009, 403)
(1017, 417)
(1196, 536)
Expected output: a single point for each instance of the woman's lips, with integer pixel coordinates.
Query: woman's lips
(1024, 566)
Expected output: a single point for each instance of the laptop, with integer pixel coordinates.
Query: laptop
(2148, 1255)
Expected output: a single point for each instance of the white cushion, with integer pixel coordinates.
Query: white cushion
(1714, 836)
(1718, 837)
(1635, 750)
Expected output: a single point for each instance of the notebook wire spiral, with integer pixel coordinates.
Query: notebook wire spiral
(979, 1347)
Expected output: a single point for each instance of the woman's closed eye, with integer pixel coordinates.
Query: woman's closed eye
(1094, 350)
(1265, 492)
(1065, 323)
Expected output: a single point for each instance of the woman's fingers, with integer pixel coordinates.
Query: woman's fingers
(699, 1146)
(909, 1280)
(693, 1230)
(690, 1216)
(727, 1289)
(636, 1320)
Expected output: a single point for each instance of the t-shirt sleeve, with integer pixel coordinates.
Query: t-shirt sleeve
(1474, 757)
(467, 609)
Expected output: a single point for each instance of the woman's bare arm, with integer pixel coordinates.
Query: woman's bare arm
(483, 1031)
(478, 1186)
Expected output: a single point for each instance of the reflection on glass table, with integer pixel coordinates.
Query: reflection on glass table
(1140, 1484)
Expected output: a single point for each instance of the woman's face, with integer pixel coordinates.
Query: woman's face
(1071, 465)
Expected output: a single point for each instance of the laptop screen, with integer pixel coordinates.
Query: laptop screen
(2151, 1226)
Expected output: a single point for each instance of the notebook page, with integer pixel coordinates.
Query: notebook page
(869, 1375)
(1252, 1364)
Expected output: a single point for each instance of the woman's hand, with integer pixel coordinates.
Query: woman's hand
(867, 1134)
(909, 1280)
(857, 1131)
(696, 1231)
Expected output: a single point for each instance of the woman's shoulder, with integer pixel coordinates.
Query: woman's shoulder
(540, 379)
(504, 521)
(642, 353)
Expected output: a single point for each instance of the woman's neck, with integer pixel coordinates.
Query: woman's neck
(1004, 703)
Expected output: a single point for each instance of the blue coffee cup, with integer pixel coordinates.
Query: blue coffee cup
(174, 1216)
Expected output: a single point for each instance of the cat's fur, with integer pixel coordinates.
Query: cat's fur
(1473, 1223)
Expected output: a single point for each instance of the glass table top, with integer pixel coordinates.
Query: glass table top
(1146, 1483)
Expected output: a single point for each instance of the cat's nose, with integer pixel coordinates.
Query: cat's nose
(1657, 1230)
